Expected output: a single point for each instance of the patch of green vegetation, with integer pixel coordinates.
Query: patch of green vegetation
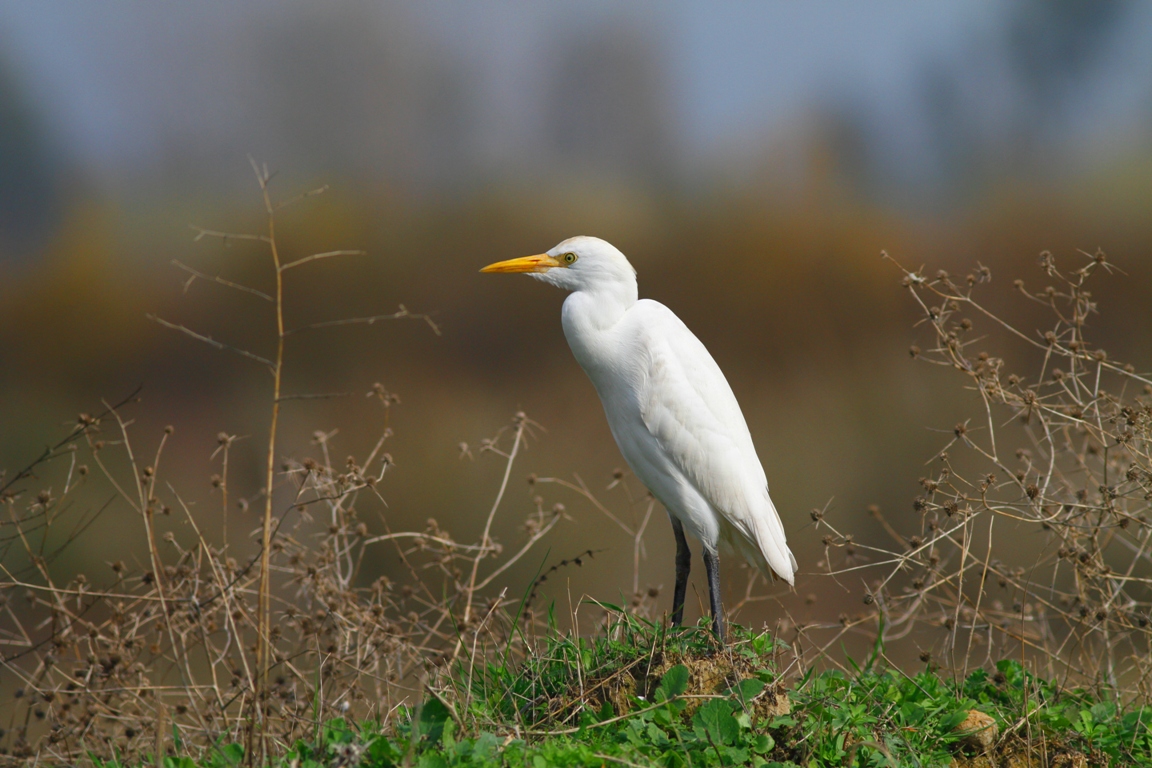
(643, 694)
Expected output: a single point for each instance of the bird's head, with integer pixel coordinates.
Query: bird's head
(576, 264)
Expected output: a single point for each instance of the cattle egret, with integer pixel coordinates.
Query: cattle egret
(671, 411)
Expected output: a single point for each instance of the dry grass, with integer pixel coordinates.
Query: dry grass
(1033, 540)
(262, 647)
(257, 649)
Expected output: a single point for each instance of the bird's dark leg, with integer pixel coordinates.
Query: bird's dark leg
(683, 565)
(712, 568)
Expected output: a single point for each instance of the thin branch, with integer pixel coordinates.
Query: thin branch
(401, 314)
(212, 342)
(320, 396)
(197, 274)
(201, 233)
(318, 256)
(302, 196)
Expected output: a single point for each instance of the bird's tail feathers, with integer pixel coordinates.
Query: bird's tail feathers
(761, 541)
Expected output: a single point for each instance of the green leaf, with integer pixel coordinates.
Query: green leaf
(433, 715)
(763, 644)
(674, 683)
(487, 744)
(746, 690)
(432, 760)
(1103, 712)
(912, 714)
(715, 719)
(764, 744)
(233, 753)
(949, 722)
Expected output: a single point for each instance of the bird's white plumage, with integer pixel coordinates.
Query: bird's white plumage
(671, 410)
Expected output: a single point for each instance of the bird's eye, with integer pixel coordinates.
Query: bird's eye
(569, 258)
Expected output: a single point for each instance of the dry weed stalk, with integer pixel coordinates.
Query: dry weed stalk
(216, 644)
(1033, 540)
(211, 643)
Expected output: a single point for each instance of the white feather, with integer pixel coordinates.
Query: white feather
(671, 410)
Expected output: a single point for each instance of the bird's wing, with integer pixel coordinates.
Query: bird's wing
(689, 408)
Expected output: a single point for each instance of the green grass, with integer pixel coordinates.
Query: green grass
(646, 695)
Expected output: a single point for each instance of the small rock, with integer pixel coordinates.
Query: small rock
(978, 731)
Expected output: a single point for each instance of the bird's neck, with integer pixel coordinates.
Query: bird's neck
(599, 308)
(590, 319)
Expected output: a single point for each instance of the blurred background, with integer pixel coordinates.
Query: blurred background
(751, 159)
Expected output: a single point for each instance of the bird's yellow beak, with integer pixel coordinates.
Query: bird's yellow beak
(539, 263)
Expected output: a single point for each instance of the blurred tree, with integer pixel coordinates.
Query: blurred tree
(1053, 45)
(30, 202)
(607, 104)
(998, 111)
(358, 92)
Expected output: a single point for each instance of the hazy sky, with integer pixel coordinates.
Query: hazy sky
(119, 83)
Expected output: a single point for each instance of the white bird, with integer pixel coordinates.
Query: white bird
(671, 411)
